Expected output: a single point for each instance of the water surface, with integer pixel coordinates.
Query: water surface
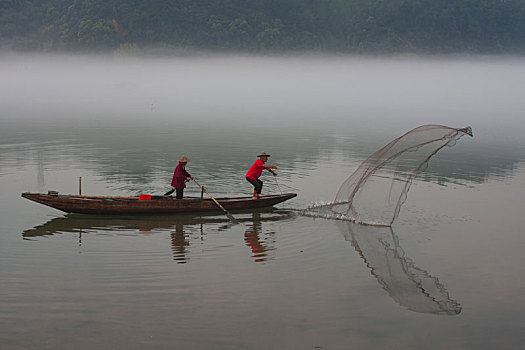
(447, 274)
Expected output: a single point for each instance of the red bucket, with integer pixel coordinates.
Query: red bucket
(145, 197)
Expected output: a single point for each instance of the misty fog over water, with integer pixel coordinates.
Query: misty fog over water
(248, 89)
(447, 274)
(93, 99)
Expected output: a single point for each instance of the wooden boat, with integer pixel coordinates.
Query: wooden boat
(70, 203)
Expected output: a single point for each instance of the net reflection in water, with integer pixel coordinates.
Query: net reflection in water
(409, 285)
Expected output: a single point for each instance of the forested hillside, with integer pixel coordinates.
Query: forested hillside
(377, 26)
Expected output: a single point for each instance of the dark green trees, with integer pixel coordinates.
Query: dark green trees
(247, 25)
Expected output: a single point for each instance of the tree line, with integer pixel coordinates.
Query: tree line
(364, 26)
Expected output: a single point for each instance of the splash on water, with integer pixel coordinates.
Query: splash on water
(374, 193)
(324, 210)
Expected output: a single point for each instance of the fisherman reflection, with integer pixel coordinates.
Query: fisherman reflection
(179, 244)
(252, 239)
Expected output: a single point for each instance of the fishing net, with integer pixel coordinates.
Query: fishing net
(406, 283)
(374, 193)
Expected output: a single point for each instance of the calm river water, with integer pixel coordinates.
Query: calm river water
(447, 275)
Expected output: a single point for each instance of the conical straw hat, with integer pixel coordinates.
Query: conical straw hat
(183, 159)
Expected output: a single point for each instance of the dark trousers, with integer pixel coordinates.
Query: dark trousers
(179, 193)
(257, 184)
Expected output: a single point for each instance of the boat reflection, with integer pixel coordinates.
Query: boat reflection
(409, 285)
(184, 230)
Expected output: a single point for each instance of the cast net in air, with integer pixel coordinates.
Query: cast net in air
(374, 193)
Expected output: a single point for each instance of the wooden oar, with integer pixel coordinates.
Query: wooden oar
(230, 216)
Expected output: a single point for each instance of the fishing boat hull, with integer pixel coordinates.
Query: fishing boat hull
(156, 205)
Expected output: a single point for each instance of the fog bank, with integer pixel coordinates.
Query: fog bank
(247, 89)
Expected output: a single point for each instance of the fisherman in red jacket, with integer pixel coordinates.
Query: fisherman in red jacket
(255, 172)
(180, 177)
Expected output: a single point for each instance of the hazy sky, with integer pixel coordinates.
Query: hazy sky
(456, 91)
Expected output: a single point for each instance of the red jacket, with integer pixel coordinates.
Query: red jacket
(255, 170)
(179, 177)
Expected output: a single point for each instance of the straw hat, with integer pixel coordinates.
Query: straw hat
(263, 155)
(183, 159)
